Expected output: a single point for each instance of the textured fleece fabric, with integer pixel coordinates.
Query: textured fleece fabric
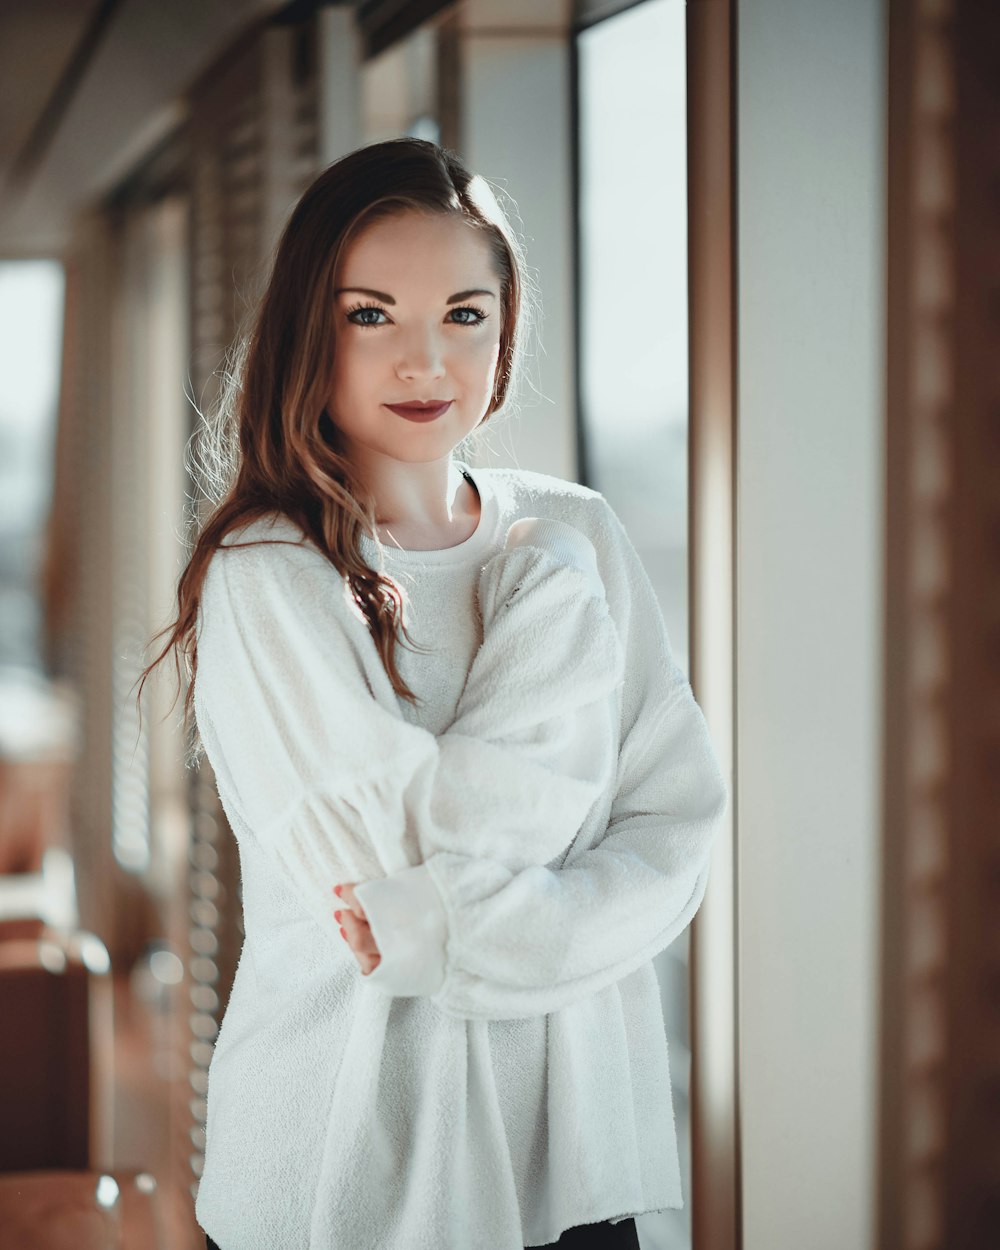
(529, 836)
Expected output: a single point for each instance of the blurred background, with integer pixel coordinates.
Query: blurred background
(767, 239)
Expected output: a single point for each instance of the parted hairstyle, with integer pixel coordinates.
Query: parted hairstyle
(269, 443)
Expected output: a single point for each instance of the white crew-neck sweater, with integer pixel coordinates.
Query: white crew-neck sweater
(531, 835)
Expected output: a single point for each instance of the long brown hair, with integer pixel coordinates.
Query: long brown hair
(272, 446)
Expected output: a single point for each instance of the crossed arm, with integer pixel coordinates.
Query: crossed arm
(514, 687)
(328, 779)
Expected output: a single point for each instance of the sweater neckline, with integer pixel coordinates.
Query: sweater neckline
(470, 549)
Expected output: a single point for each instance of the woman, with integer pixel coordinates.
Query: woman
(463, 1047)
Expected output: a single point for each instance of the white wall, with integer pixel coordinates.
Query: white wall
(810, 517)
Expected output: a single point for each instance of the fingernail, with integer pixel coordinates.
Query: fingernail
(337, 889)
(336, 916)
(343, 935)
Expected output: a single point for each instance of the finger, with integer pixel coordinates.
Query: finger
(359, 933)
(347, 920)
(348, 896)
(361, 956)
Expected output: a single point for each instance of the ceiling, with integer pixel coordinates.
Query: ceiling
(86, 87)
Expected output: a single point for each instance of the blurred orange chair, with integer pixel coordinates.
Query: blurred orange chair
(21, 927)
(67, 1210)
(39, 730)
(56, 1053)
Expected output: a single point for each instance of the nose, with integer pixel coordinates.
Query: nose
(421, 355)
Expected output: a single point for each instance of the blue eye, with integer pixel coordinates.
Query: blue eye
(364, 308)
(469, 308)
(478, 315)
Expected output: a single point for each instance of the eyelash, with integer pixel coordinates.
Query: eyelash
(369, 325)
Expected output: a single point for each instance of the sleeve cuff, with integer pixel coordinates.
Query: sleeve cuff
(565, 542)
(410, 927)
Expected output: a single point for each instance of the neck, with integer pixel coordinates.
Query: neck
(420, 504)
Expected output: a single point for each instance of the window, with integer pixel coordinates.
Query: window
(633, 285)
(31, 295)
(633, 368)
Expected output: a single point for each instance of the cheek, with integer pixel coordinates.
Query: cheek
(353, 362)
(481, 357)
(494, 362)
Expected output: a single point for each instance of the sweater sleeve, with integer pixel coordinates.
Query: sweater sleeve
(526, 941)
(314, 760)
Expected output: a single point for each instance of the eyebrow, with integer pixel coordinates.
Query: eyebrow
(387, 299)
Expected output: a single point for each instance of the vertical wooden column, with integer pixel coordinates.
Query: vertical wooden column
(79, 587)
(972, 1069)
(715, 1200)
(919, 499)
(940, 1043)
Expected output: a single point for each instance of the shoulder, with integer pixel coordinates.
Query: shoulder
(530, 485)
(270, 542)
(526, 492)
(269, 528)
(267, 565)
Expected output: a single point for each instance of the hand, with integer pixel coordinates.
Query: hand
(355, 929)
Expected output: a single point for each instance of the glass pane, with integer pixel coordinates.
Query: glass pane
(31, 294)
(633, 286)
(634, 372)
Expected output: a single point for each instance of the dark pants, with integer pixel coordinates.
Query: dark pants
(603, 1236)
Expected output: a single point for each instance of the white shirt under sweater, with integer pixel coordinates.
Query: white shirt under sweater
(503, 1075)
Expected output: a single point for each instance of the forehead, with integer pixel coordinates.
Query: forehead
(423, 249)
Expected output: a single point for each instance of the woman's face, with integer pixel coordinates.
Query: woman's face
(417, 318)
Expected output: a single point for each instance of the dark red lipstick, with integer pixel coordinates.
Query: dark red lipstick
(428, 411)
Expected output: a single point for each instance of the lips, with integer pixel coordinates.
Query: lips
(421, 412)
